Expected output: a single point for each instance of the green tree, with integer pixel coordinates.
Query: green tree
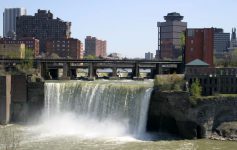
(233, 58)
(90, 57)
(26, 65)
(182, 44)
(196, 88)
(182, 39)
(229, 59)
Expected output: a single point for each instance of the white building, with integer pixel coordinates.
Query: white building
(9, 20)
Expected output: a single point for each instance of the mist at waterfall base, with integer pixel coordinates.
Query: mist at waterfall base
(96, 110)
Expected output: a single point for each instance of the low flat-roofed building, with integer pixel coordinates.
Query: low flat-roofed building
(31, 44)
(213, 80)
(12, 51)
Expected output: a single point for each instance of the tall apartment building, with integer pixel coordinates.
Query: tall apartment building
(95, 47)
(31, 44)
(169, 36)
(221, 42)
(9, 20)
(65, 48)
(199, 44)
(42, 26)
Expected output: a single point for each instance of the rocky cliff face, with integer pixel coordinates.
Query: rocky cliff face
(201, 118)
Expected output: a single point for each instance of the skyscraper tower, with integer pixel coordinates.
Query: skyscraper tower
(9, 20)
(169, 36)
(233, 35)
(233, 42)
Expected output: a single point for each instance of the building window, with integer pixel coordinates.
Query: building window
(190, 32)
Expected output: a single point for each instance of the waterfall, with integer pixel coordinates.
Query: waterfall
(112, 108)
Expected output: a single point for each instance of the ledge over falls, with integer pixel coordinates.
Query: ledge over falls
(178, 113)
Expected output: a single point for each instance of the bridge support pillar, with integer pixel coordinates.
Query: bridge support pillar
(136, 70)
(180, 68)
(66, 71)
(5, 99)
(91, 71)
(44, 70)
(114, 74)
(158, 70)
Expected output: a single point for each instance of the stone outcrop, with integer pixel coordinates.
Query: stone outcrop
(177, 113)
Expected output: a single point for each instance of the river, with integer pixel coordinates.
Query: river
(97, 115)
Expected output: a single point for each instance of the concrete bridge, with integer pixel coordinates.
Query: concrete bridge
(69, 68)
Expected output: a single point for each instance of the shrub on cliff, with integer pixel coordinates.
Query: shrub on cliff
(196, 89)
(171, 82)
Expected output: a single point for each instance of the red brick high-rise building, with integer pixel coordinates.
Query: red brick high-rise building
(199, 44)
(65, 48)
(95, 47)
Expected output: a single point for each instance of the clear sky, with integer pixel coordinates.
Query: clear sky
(129, 26)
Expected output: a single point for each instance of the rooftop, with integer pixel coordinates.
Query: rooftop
(197, 62)
(174, 16)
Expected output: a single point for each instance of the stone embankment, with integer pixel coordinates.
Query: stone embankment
(207, 117)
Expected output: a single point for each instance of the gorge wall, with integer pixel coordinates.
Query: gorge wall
(177, 113)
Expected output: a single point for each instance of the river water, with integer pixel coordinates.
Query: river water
(97, 115)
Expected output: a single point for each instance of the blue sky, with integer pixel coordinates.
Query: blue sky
(129, 26)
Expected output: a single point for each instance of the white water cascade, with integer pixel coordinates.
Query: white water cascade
(98, 108)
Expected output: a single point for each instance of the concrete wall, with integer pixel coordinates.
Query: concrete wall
(27, 106)
(35, 102)
(5, 99)
(19, 90)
